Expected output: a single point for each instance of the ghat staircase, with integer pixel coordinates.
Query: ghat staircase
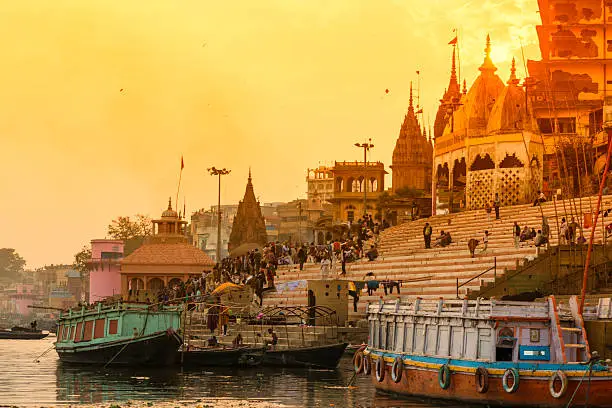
(434, 273)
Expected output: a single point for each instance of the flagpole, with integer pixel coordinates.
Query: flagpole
(458, 60)
(179, 183)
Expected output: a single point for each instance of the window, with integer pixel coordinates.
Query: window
(112, 326)
(99, 328)
(88, 329)
(545, 125)
(566, 125)
(78, 332)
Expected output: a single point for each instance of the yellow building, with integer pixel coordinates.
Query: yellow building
(490, 144)
(354, 181)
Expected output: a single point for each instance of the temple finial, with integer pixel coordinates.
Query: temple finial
(513, 80)
(464, 87)
(249, 174)
(453, 68)
(410, 104)
(487, 65)
(169, 203)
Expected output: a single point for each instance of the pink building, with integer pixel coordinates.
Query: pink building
(23, 297)
(104, 268)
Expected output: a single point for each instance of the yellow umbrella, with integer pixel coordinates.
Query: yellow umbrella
(225, 287)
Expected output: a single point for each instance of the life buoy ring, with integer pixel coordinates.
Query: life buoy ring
(444, 377)
(397, 369)
(482, 380)
(511, 372)
(367, 365)
(561, 376)
(380, 369)
(358, 362)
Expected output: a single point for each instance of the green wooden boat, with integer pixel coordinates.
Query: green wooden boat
(120, 334)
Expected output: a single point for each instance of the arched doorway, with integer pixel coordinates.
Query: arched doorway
(173, 282)
(155, 285)
(136, 284)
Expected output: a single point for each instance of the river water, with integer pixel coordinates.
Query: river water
(25, 382)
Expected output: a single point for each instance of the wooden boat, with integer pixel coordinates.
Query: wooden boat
(487, 352)
(23, 333)
(326, 356)
(221, 357)
(121, 334)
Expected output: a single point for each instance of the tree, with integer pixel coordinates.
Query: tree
(81, 259)
(131, 231)
(125, 229)
(409, 192)
(11, 264)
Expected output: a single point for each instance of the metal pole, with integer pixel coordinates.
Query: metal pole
(365, 180)
(219, 221)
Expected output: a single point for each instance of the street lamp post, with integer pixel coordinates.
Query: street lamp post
(366, 146)
(218, 172)
(299, 205)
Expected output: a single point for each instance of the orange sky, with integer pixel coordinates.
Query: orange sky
(281, 85)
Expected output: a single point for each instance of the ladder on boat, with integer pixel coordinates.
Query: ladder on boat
(570, 332)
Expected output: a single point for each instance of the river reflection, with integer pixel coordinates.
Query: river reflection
(25, 382)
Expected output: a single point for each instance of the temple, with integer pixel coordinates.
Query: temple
(412, 157)
(165, 259)
(490, 143)
(249, 226)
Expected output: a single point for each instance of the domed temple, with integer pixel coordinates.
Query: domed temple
(412, 157)
(249, 226)
(490, 143)
(165, 259)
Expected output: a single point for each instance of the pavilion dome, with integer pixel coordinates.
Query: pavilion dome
(510, 112)
(169, 213)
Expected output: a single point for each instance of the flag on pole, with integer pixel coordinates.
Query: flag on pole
(182, 163)
(453, 41)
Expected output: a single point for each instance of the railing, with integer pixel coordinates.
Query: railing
(494, 268)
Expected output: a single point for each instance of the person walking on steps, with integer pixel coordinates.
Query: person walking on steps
(485, 242)
(427, 231)
(496, 204)
(517, 234)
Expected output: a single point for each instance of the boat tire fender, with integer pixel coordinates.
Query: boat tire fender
(358, 362)
(397, 369)
(561, 376)
(444, 377)
(380, 369)
(367, 364)
(482, 380)
(511, 372)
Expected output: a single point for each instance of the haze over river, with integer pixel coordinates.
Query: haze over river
(24, 382)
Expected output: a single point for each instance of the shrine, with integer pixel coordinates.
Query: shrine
(249, 226)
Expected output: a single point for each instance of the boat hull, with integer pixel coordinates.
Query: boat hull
(326, 356)
(157, 349)
(239, 357)
(22, 335)
(532, 391)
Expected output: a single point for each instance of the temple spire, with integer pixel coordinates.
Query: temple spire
(487, 64)
(464, 87)
(513, 79)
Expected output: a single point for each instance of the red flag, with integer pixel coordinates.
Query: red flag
(182, 163)
(453, 41)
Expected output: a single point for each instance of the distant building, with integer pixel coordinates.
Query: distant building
(320, 182)
(104, 268)
(165, 259)
(249, 225)
(204, 225)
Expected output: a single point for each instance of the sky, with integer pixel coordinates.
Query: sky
(99, 99)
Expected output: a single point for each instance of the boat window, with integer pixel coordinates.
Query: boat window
(99, 328)
(505, 344)
(60, 333)
(88, 329)
(112, 326)
(78, 332)
(66, 334)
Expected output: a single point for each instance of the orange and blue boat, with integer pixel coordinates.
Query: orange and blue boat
(499, 353)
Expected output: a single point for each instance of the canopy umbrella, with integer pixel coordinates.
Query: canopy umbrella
(226, 287)
(244, 248)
